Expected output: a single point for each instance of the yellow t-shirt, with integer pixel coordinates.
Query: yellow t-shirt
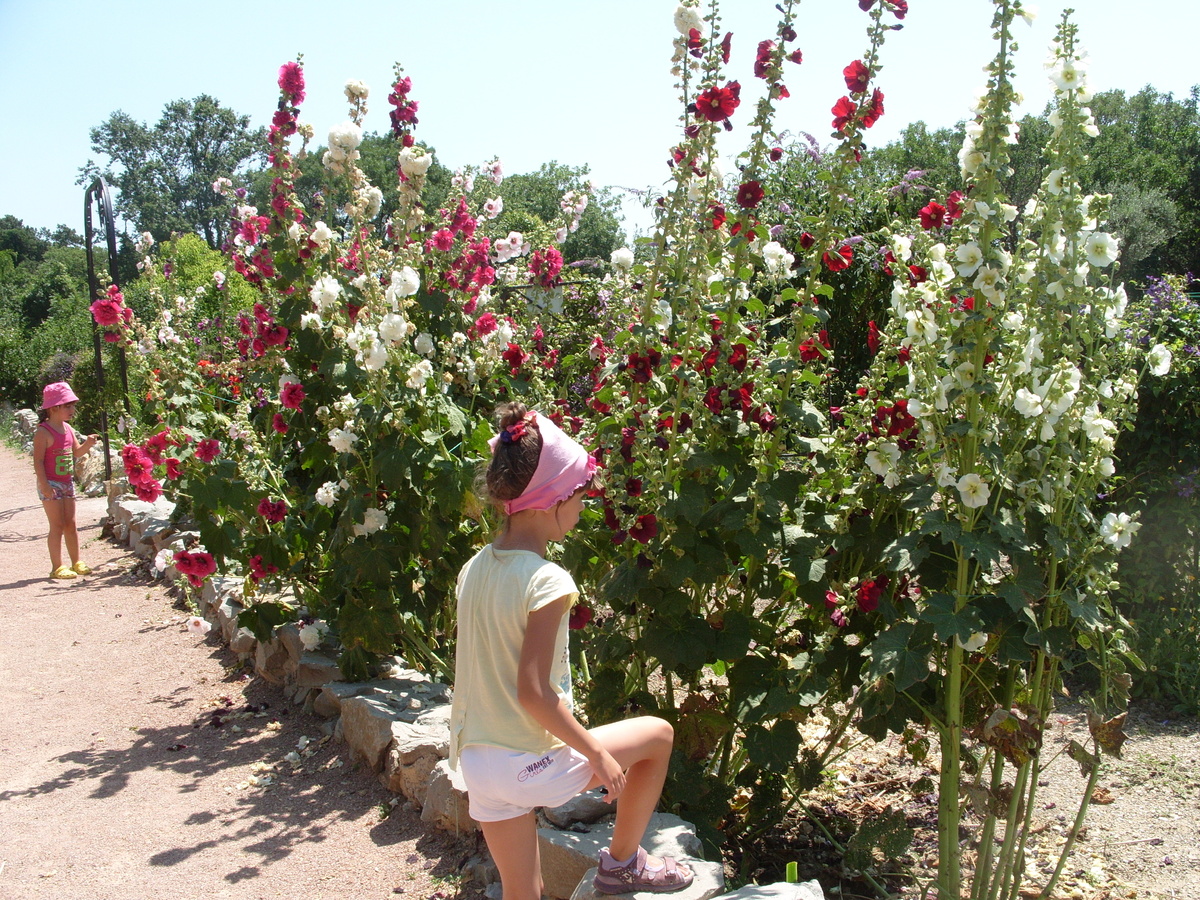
(497, 590)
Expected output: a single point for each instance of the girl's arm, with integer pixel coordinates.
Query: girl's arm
(78, 449)
(41, 441)
(540, 700)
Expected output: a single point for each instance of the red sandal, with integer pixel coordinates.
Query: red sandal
(615, 879)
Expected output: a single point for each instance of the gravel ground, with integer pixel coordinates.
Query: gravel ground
(138, 760)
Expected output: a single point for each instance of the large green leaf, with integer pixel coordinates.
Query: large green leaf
(890, 654)
(948, 621)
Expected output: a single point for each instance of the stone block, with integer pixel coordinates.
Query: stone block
(446, 801)
(315, 669)
(243, 642)
(272, 662)
(780, 890)
(289, 635)
(367, 727)
(567, 855)
(227, 612)
(411, 758)
(588, 808)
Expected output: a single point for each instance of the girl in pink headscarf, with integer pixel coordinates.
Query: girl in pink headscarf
(55, 447)
(512, 725)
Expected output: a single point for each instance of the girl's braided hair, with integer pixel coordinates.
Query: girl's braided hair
(514, 460)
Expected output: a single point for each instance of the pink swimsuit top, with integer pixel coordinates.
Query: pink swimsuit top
(59, 461)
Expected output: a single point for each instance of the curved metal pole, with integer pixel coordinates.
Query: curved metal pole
(97, 194)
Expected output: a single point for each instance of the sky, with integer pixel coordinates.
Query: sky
(530, 82)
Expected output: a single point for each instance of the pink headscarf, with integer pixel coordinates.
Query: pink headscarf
(563, 468)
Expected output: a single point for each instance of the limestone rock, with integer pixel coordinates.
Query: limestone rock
(272, 661)
(446, 801)
(367, 727)
(411, 758)
(567, 855)
(314, 670)
(25, 421)
(243, 642)
(780, 890)
(588, 808)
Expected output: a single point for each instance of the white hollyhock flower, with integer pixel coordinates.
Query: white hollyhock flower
(342, 440)
(295, 232)
(946, 476)
(424, 343)
(687, 18)
(973, 490)
(1101, 249)
(405, 283)
(883, 463)
(1054, 181)
(310, 636)
(325, 292)
(969, 257)
(393, 327)
(778, 260)
(1028, 404)
(1068, 75)
(415, 161)
(1105, 467)
(327, 494)
(975, 642)
(356, 90)
(373, 520)
(1118, 529)
(622, 258)
(1159, 359)
(344, 139)
(376, 357)
(419, 374)
(321, 234)
(164, 558)
(310, 320)
(197, 625)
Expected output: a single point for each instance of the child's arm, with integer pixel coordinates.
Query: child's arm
(541, 701)
(41, 441)
(79, 449)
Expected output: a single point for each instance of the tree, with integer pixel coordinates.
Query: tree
(165, 174)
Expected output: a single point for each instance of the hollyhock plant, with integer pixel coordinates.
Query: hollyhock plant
(717, 104)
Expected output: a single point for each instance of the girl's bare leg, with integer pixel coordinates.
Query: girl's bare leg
(54, 515)
(514, 847)
(70, 534)
(642, 746)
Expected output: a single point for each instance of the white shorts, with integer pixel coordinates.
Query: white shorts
(503, 784)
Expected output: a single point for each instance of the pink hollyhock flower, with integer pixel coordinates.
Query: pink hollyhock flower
(749, 194)
(718, 103)
(857, 76)
(272, 510)
(843, 111)
(933, 215)
(486, 324)
(645, 529)
(838, 260)
(545, 266)
(762, 58)
(292, 395)
(291, 81)
(274, 335)
(106, 313)
(872, 113)
(580, 616)
(259, 571)
(174, 470)
(148, 490)
(208, 449)
(279, 424)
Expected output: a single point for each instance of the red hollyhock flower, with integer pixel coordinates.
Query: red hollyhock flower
(279, 424)
(899, 8)
(838, 260)
(749, 194)
(726, 43)
(645, 529)
(954, 204)
(917, 274)
(291, 81)
(933, 215)
(796, 56)
(718, 216)
(762, 59)
(515, 357)
(843, 111)
(207, 450)
(718, 103)
(872, 337)
(857, 76)
(694, 43)
(106, 313)
(738, 358)
(292, 395)
(273, 335)
(869, 593)
(712, 399)
(174, 470)
(272, 510)
(148, 490)
(580, 615)
(775, 154)
(810, 349)
(806, 240)
(545, 265)
(872, 113)
(259, 571)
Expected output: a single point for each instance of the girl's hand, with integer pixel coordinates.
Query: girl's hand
(610, 773)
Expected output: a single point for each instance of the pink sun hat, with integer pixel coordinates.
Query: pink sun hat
(57, 394)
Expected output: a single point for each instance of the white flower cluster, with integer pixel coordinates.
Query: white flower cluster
(573, 203)
(510, 247)
(311, 636)
(343, 147)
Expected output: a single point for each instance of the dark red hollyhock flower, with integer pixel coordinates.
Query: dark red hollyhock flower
(872, 337)
(515, 357)
(738, 358)
(775, 154)
(954, 204)
(865, 5)
(838, 260)
(903, 354)
(694, 42)
(843, 111)
(869, 593)
(710, 358)
(796, 56)
(580, 615)
(917, 274)
(633, 487)
(279, 424)
(726, 43)
(933, 215)
(762, 59)
(272, 510)
(857, 76)
(645, 529)
(174, 470)
(273, 335)
(718, 216)
(207, 450)
(810, 349)
(806, 240)
(712, 399)
(718, 103)
(749, 194)
(872, 113)
(899, 8)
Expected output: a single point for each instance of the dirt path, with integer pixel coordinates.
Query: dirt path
(128, 748)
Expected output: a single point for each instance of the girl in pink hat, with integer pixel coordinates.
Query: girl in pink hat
(55, 446)
(513, 730)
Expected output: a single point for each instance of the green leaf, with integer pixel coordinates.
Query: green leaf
(890, 654)
(949, 622)
(905, 553)
(774, 748)
(684, 643)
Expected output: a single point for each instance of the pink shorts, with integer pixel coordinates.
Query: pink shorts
(503, 784)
